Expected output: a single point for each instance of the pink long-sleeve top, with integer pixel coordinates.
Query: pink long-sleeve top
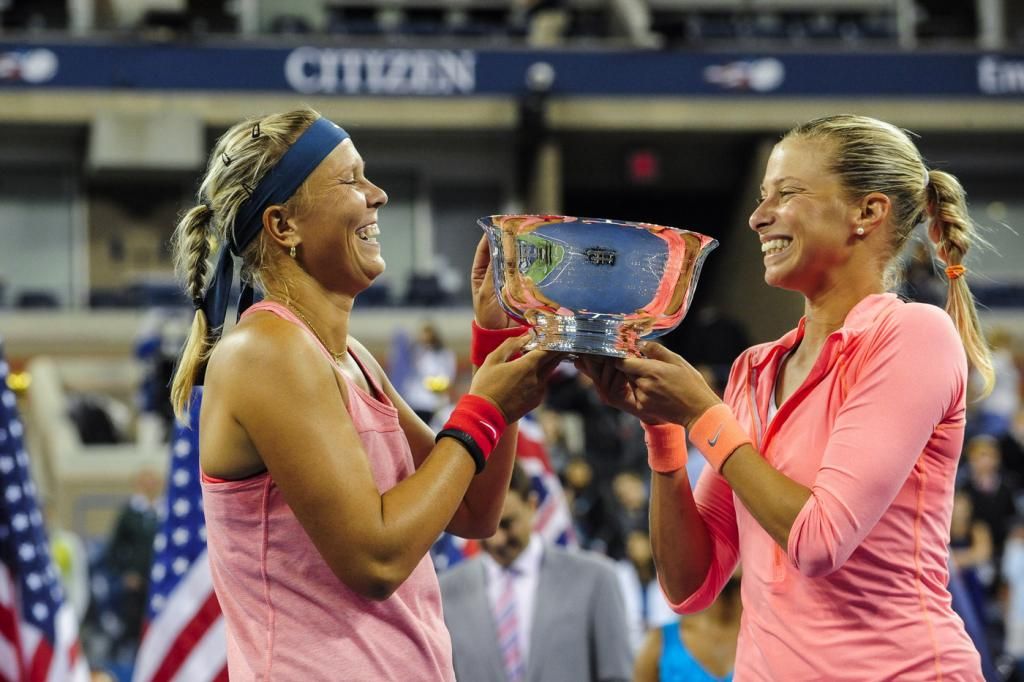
(875, 432)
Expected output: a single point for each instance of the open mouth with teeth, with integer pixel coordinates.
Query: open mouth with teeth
(368, 233)
(775, 246)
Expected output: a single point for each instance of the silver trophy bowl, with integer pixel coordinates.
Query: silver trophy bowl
(594, 286)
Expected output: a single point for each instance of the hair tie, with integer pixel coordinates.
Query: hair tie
(955, 271)
(197, 303)
(927, 178)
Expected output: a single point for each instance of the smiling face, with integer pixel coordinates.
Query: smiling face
(337, 223)
(804, 220)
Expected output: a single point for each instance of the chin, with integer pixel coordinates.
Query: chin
(776, 281)
(376, 269)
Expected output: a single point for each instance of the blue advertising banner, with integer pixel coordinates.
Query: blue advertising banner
(454, 72)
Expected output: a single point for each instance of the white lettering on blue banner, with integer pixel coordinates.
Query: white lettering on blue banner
(312, 70)
(1000, 76)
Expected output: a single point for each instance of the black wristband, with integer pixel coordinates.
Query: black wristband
(467, 442)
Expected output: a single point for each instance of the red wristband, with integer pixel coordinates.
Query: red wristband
(483, 341)
(717, 434)
(481, 421)
(666, 447)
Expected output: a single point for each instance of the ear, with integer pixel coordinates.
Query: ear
(280, 227)
(874, 210)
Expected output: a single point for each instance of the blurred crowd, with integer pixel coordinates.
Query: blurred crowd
(587, 463)
(638, 23)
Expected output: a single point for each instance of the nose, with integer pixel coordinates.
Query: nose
(376, 197)
(761, 217)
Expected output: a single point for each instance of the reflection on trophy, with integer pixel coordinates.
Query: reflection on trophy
(594, 286)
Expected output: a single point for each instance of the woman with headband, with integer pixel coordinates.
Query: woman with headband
(322, 489)
(834, 454)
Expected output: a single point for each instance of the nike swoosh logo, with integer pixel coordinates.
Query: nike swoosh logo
(714, 439)
(494, 431)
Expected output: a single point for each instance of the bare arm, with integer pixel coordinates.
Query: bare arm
(680, 540)
(478, 514)
(772, 498)
(290, 405)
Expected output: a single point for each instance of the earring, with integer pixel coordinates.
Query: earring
(860, 231)
(291, 251)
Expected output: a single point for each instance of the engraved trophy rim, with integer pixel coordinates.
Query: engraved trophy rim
(584, 331)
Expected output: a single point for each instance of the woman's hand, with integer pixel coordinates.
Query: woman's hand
(488, 312)
(515, 386)
(658, 388)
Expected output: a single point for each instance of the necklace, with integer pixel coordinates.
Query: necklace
(338, 357)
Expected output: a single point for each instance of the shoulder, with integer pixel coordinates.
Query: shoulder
(920, 325)
(263, 347)
(923, 315)
(581, 562)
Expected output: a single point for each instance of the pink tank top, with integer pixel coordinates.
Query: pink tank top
(288, 616)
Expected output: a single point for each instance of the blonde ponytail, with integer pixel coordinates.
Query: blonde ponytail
(953, 232)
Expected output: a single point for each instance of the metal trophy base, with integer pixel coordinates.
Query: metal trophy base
(590, 336)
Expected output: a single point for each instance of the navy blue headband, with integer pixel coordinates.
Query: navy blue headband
(276, 187)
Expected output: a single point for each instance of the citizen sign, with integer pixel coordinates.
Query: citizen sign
(312, 70)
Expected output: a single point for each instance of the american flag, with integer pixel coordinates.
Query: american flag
(38, 630)
(184, 636)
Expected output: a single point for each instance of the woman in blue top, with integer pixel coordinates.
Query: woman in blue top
(699, 648)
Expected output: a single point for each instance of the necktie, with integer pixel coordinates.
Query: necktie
(506, 618)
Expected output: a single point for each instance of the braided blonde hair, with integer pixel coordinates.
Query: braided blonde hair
(869, 155)
(240, 159)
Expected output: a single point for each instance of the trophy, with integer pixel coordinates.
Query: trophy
(593, 286)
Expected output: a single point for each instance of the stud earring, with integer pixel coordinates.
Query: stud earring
(291, 251)
(860, 231)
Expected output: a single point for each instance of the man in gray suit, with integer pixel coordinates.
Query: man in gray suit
(528, 611)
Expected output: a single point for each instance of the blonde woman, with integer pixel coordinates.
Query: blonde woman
(834, 452)
(323, 491)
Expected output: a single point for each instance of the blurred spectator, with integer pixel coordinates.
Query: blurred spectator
(555, 437)
(586, 503)
(628, 511)
(699, 648)
(1011, 445)
(646, 606)
(1013, 574)
(429, 374)
(161, 335)
(990, 493)
(993, 414)
(970, 544)
(129, 556)
(99, 419)
(603, 433)
(545, 22)
(71, 559)
(521, 583)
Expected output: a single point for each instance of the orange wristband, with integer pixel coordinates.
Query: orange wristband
(717, 434)
(666, 447)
